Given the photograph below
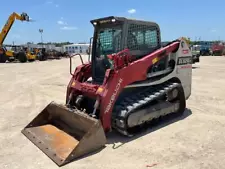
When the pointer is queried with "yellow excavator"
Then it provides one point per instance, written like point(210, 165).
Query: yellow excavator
point(11, 55)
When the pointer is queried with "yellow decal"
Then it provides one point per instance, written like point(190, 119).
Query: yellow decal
point(100, 89)
point(155, 60)
point(73, 84)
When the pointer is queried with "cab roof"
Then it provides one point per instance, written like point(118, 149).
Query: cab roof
point(123, 19)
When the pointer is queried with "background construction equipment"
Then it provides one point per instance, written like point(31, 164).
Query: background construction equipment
point(5, 54)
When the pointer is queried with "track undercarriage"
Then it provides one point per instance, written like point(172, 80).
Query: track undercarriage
point(146, 106)
point(133, 111)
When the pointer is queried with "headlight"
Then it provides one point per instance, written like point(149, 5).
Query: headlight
point(113, 20)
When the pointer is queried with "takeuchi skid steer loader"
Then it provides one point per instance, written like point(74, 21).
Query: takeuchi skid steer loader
point(130, 80)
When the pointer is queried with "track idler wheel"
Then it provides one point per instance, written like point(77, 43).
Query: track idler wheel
point(178, 95)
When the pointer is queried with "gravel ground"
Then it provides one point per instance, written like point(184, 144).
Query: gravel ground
point(197, 140)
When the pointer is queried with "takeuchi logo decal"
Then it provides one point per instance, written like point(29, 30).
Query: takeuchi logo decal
point(112, 98)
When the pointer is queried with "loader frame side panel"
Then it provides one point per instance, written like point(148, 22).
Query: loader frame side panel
point(119, 79)
point(82, 71)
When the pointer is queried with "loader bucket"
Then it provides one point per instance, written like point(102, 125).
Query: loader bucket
point(64, 135)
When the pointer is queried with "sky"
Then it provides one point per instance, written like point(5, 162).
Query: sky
point(69, 20)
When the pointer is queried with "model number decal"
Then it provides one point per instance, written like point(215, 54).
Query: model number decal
point(184, 60)
point(112, 98)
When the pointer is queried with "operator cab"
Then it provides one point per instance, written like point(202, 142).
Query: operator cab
point(16, 48)
point(114, 34)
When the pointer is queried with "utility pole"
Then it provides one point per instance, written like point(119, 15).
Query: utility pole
point(41, 32)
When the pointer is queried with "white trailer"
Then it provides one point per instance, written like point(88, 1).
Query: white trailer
point(76, 48)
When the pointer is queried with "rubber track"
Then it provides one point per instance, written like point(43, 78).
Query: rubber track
point(132, 103)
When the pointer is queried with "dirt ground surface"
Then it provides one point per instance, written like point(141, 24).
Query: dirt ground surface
point(196, 140)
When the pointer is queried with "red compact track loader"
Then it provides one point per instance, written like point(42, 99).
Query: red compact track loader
point(129, 81)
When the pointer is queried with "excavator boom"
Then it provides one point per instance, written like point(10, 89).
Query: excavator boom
point(12, 55)
point(14, 16)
